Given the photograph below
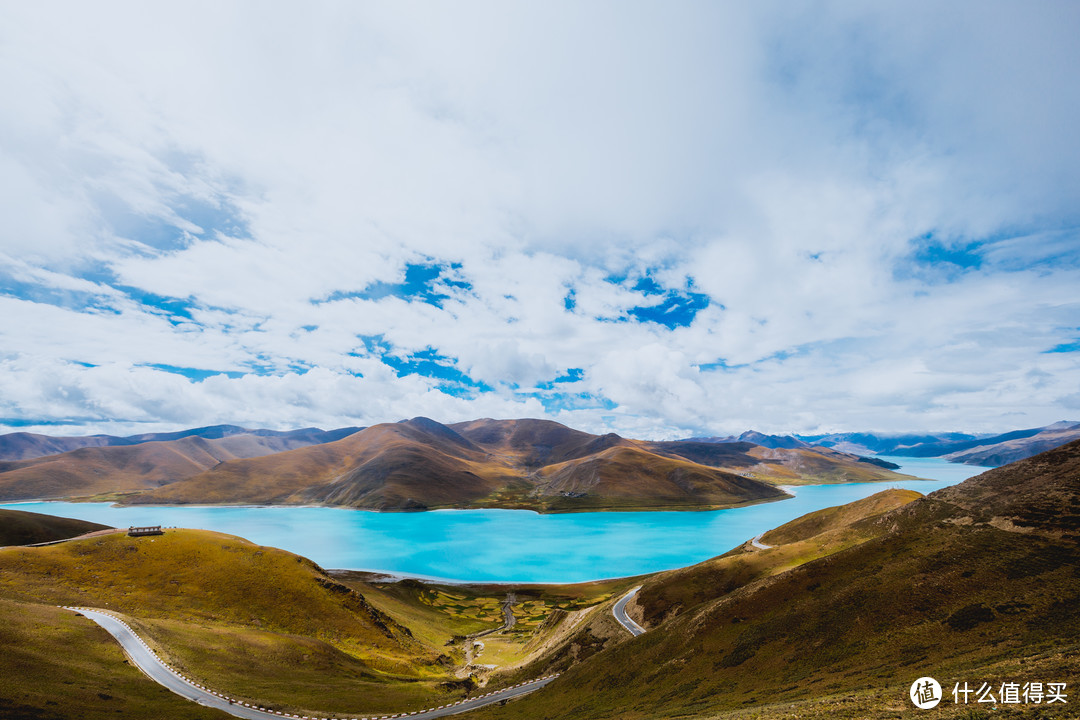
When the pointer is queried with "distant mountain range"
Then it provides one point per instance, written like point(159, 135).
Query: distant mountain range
point(27, 446)
point(135, 463)
point(1002, 452)
point(420, 464)
point(986, 450)
point(750, 436)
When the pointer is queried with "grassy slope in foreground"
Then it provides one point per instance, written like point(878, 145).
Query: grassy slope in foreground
point(18, 527)
point(443, 615)
point(978, 582)
point(56, 666)
point(667, 594)
point(254, 621)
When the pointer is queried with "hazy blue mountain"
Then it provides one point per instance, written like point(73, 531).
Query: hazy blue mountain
point(986, 449)
point(928, 445)
point(752, 436)
point(994, 454)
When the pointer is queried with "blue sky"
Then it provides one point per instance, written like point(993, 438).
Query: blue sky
point(655, 220)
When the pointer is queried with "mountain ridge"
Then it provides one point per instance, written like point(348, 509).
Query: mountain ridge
point(28, 446)
point(421, 464)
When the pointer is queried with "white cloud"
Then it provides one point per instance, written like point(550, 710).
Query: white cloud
point(254, 167)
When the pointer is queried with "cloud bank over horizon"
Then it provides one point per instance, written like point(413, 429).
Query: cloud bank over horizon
point(658, 221)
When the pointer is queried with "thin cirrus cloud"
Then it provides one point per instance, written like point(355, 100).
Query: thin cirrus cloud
point(659, 221)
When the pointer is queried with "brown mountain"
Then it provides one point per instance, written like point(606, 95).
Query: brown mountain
point(146, 464)
point(421, 464)
point(782, 466)
point(407, 465)
point(93, 470)
point(975, 583)
point(631, 477)
point(756, 438)
point(536, 443)
point(26, 446)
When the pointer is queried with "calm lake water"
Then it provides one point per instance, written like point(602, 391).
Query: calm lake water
point(506, 545)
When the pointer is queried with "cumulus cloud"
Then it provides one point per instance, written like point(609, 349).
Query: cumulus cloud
point(659, 221)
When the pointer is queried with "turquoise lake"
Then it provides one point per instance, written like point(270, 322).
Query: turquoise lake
point(506, 545)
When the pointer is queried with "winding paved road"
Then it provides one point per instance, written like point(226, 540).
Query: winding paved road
point(157, 670)
point(756, 542)
point(619, 611)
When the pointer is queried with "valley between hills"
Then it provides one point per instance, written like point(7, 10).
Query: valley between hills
point(834, 618)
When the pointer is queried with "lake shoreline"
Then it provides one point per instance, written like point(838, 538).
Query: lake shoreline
point(499, 546)
point(416, 511)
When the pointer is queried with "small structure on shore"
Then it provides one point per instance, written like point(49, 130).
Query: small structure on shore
point(143, 531)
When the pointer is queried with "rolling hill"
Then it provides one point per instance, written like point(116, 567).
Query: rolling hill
point(26, 528)
point(258, 622)
point(977, 582)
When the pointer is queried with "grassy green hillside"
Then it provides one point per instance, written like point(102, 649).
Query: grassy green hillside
point(260, 624)
point(591, 630)
point(26, 528)
point(454, 616)
point(56, 666)
point(979, 582)
point(807, 538)
point(253, 621)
